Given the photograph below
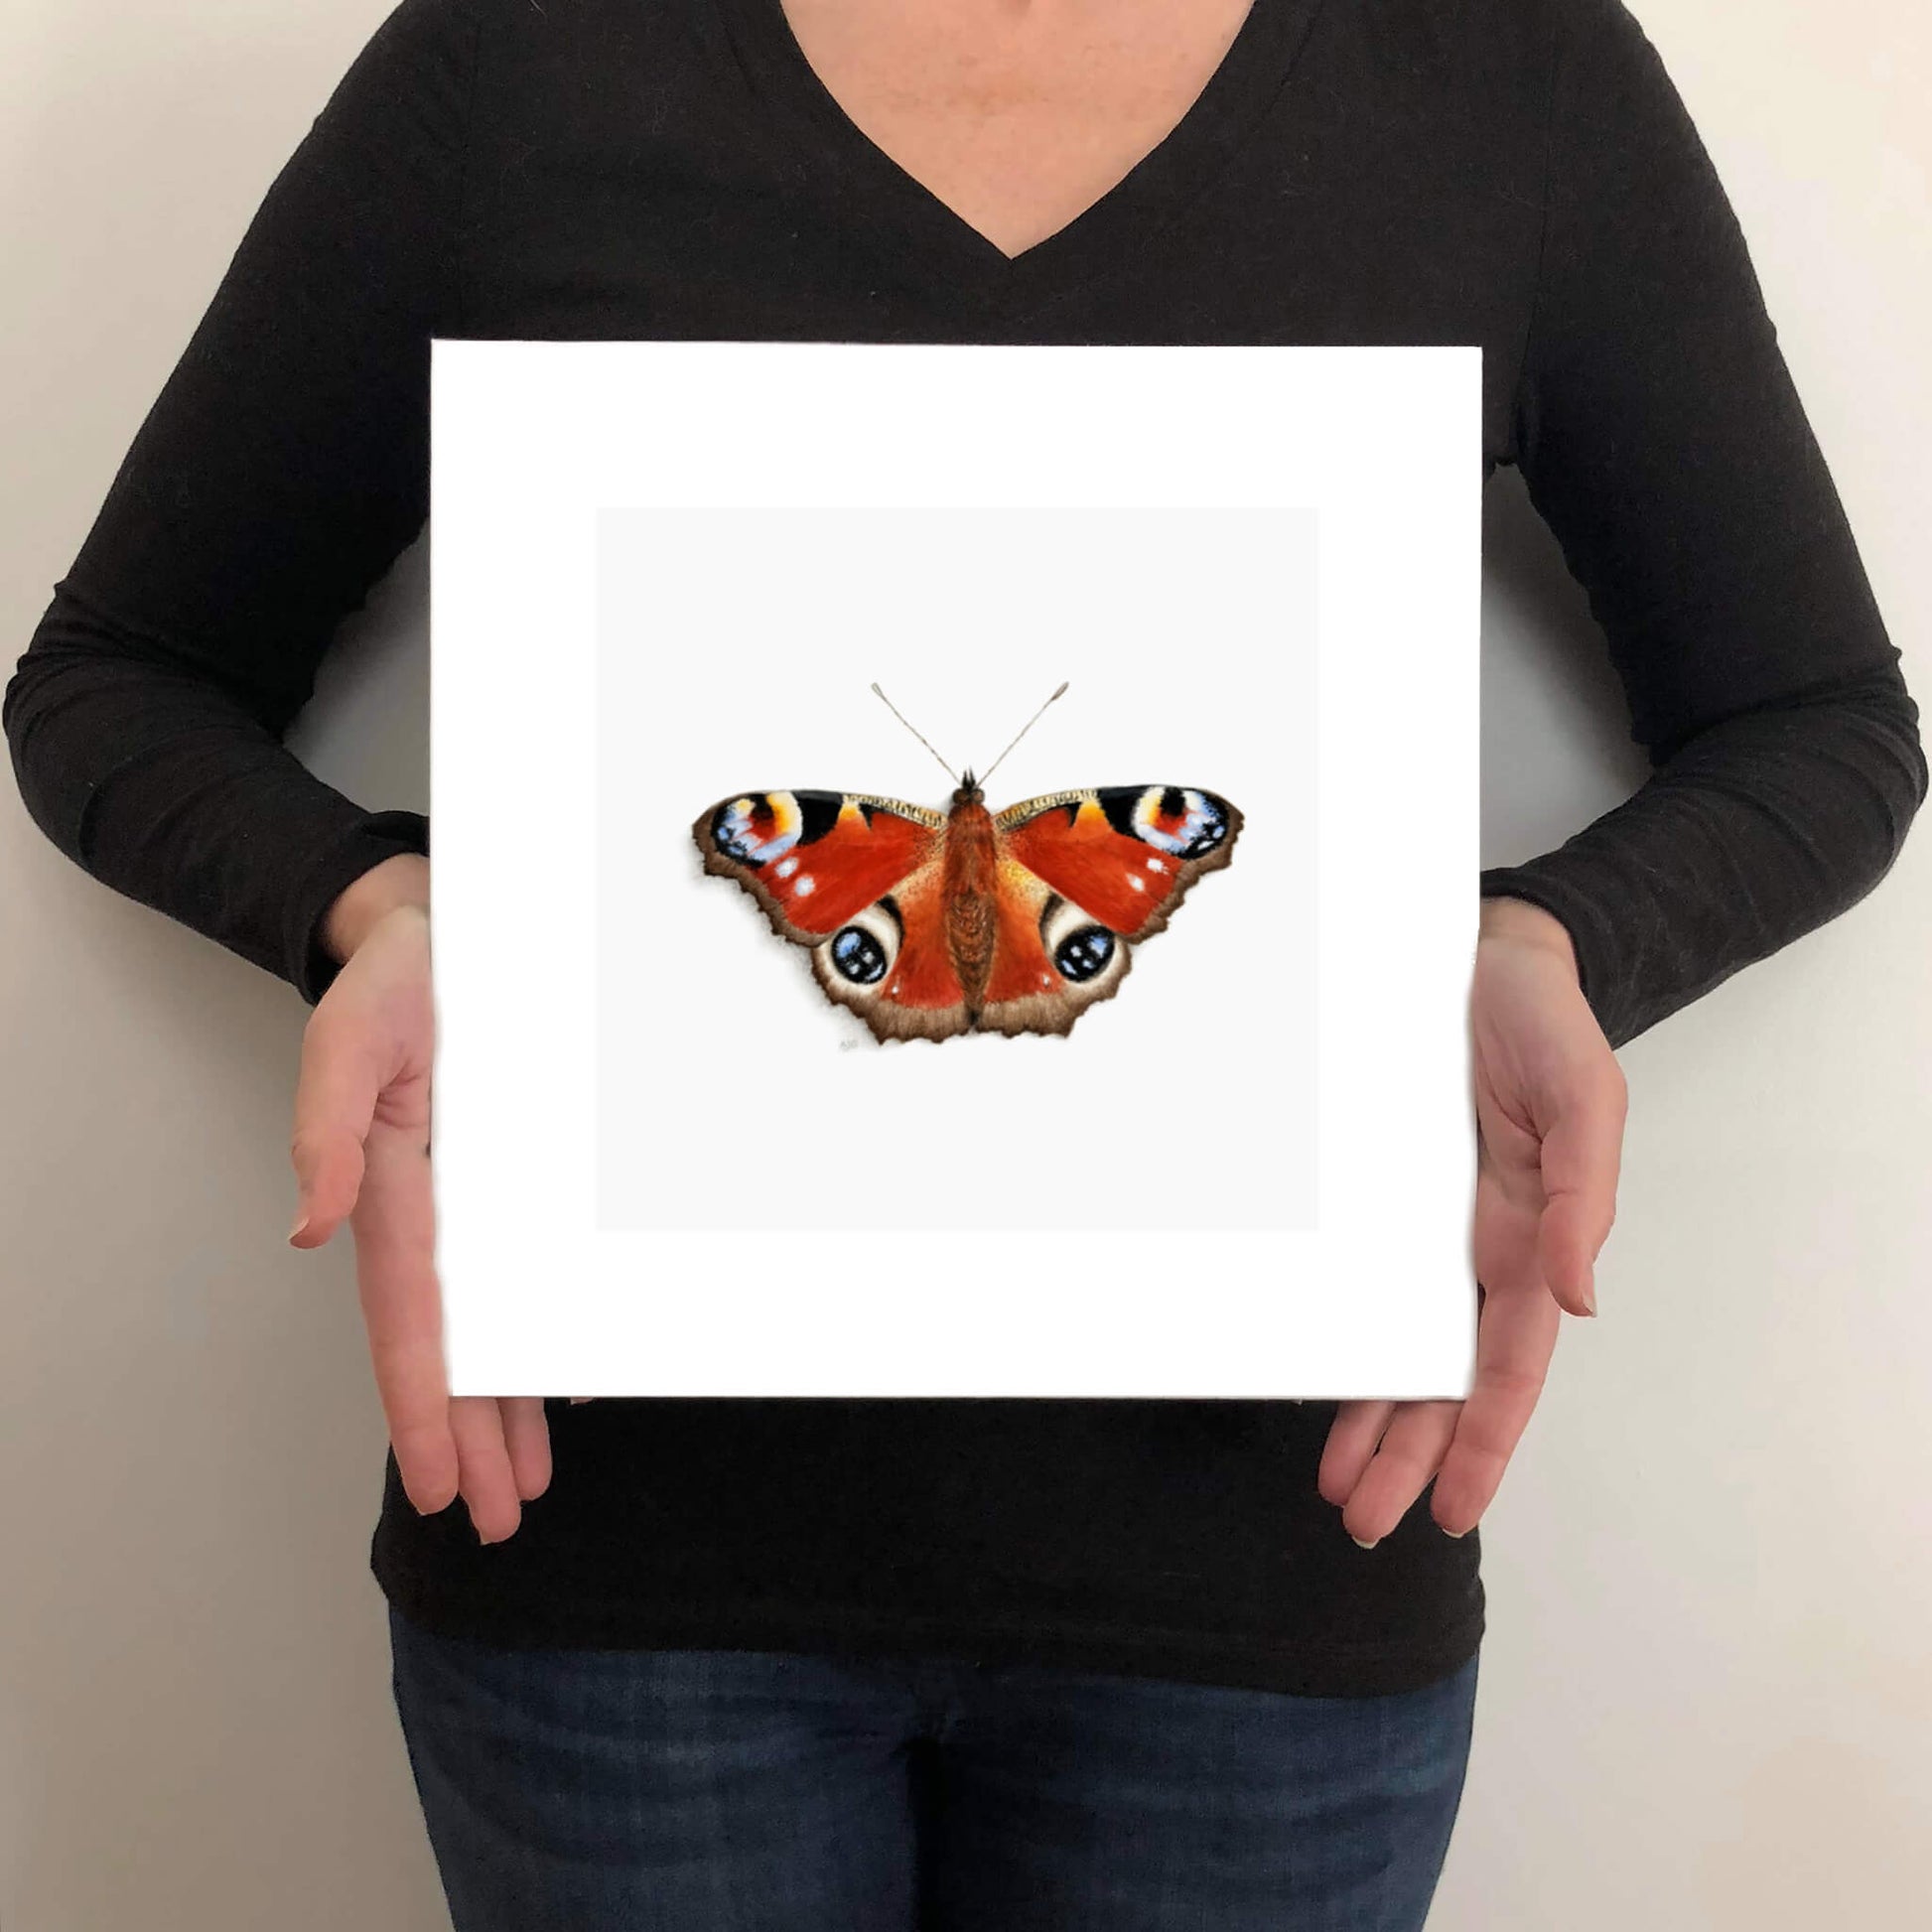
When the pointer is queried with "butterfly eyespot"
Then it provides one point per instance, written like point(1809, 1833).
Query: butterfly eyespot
point(857, 956)
point(1179, 820)
point(1082, 951)
point(864, 950)
point(1085, 953)
point(758, 828)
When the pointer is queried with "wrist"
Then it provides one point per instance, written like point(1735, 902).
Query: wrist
point(1521, 921)
point(402, 879)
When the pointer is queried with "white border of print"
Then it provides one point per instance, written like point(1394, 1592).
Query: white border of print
point(531, 441)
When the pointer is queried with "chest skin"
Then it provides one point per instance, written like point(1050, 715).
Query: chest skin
point(1018, 119)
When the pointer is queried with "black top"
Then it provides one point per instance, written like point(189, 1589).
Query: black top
point(1519, 174)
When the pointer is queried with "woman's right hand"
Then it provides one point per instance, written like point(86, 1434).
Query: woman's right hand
point(362, 1151)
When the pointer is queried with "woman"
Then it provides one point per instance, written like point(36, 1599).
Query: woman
point(1013, 1664)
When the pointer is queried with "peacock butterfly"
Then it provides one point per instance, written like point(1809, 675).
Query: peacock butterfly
point(929, 923)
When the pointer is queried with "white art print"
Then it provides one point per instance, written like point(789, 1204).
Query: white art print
point(978, 1127)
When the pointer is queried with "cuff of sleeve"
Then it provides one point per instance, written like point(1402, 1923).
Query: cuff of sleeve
point(1591, 932)
point(375, 837)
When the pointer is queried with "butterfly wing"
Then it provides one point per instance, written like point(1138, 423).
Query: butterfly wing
point(1083, 875)
point(859, 881)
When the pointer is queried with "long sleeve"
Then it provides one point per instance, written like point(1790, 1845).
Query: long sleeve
point(1661, 437)
point(277, 476)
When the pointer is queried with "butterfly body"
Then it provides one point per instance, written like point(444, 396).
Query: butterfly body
point(969, 892)
point(928, 925)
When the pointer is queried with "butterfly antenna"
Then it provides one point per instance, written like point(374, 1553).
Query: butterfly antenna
point(1023, 731)
point(901, 715)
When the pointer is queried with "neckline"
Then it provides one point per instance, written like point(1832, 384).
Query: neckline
point(892, 210)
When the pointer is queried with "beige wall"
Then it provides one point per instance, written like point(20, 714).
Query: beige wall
point(1705, 1697)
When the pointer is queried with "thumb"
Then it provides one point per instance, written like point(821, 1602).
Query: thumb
point(335, 1102)
point(1582, 1153)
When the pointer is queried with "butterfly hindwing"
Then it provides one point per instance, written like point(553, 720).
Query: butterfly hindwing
point(857, 878)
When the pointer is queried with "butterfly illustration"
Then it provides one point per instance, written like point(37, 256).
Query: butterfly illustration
point(928, 924)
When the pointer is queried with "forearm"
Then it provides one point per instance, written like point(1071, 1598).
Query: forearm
point(165, 786)
point(1523, 923)
point(401, 880)
point(1754, 833)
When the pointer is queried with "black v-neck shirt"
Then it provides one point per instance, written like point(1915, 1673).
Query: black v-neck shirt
point(959, 270)
point(1518, 173)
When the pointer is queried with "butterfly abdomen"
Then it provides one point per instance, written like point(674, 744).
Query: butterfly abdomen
point(970, 897)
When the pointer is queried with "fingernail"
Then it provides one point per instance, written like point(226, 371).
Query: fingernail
point(1459, 1533)
point(1590, 1297)
point(1361, 1545)
point(301, 1221)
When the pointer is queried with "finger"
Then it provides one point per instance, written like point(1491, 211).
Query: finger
point(395, 1277)
point(526, 1436)
point(488, 1483)
point(1502, 1245)
point(1515, 1339)
point(1409, 1453)
point(1582, 1153)
point(1352, 1438)
point(335, 1099)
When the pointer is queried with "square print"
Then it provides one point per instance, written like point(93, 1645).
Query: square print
point(683, 1147)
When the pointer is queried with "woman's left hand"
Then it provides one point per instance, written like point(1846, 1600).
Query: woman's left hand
point(1550, 1102)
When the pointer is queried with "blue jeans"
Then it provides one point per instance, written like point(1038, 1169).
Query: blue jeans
point(699, 1790)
